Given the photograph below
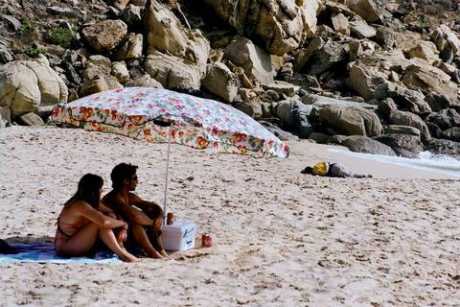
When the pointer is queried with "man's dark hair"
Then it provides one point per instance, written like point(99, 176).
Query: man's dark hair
point(121, 172)
point(307, 170)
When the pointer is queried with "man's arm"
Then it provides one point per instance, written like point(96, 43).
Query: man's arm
point(106, 210)
point(132, 214)
point(97, 217)
point(140, 203)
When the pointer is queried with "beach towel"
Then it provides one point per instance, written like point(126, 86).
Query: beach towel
point(45, 253)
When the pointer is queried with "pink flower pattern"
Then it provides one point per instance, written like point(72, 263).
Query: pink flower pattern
point(196, 122)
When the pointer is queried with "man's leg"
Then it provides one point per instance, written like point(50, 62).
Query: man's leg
point(156, 240)
point(108, 237)
point(141, 238)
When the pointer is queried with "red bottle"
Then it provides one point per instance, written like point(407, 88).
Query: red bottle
point(206, 240)
point(170, 218)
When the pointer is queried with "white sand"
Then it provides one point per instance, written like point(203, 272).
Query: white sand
point(281, 238)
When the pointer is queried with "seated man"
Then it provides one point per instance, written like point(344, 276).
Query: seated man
point(134, 210)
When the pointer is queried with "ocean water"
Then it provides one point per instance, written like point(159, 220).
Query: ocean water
point(425, 161)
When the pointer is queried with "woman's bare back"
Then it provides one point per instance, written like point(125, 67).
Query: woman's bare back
point(71, 220)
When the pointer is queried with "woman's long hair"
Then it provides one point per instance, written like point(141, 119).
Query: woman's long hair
point(89, 190)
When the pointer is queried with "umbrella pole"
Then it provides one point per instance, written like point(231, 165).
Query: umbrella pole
point(165, 195)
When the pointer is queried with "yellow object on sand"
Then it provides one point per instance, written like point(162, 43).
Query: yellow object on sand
point(320, 169)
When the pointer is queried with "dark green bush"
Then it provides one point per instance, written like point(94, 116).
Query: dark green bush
point(61, 36)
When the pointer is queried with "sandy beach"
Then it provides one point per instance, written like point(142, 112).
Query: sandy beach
point(280, 238)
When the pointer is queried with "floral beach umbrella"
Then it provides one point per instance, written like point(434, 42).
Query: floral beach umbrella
point(200, 123)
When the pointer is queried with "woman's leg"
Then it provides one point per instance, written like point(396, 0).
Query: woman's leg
point(108, 237)
point(80, 243)
point(83, 240)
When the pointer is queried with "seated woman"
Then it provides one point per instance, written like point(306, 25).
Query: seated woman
point(80, 223)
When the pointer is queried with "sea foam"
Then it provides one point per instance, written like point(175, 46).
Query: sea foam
point(425, 161)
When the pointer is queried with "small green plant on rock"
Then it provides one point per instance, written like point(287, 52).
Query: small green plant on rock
point(423, 21)
point(26, 27)
point(34, 51)
point(61, 36)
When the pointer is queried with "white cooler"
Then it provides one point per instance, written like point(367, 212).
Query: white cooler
point(179, 236)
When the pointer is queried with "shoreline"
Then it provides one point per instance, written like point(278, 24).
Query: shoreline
point(377, 165)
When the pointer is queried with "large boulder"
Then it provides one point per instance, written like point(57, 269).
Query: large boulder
point(370, 74)
point(412, 120)
point(366, 80)
point(294, 117)
point(360, 48)
point(429, 79)
point(173, 72)
point(282, 88)
point(452, 134)
point(166, 34)
point(120, 71)
point(409, 100)
point(444, 119)
point(98, 84)
point(5, 117)
point(447, 42)
point(248, 105)
point(120, 4)
point(386, 107)
point(31, 119)
point(133, 15)
point(324, 58)
point(407, 40)
point(303, 55)
point(445, 147)
point(365, 144)
point(439, 102)
point(451, 70)
point(385, 37)
point(425, 50)
point(322, 101)
point(131, 48)
point(96, 66)
point(105, 35)
point(100, 74)
point(255, 62)
point(26, 85)
point(278, 132)
point(144, 81)
point(340, 24)
point(5, 53)
point(367, 9)
point(400, 129)
point(221, 81)
point(351, 120)
point(360, 29)
point(406, 145)
point(280, 25)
